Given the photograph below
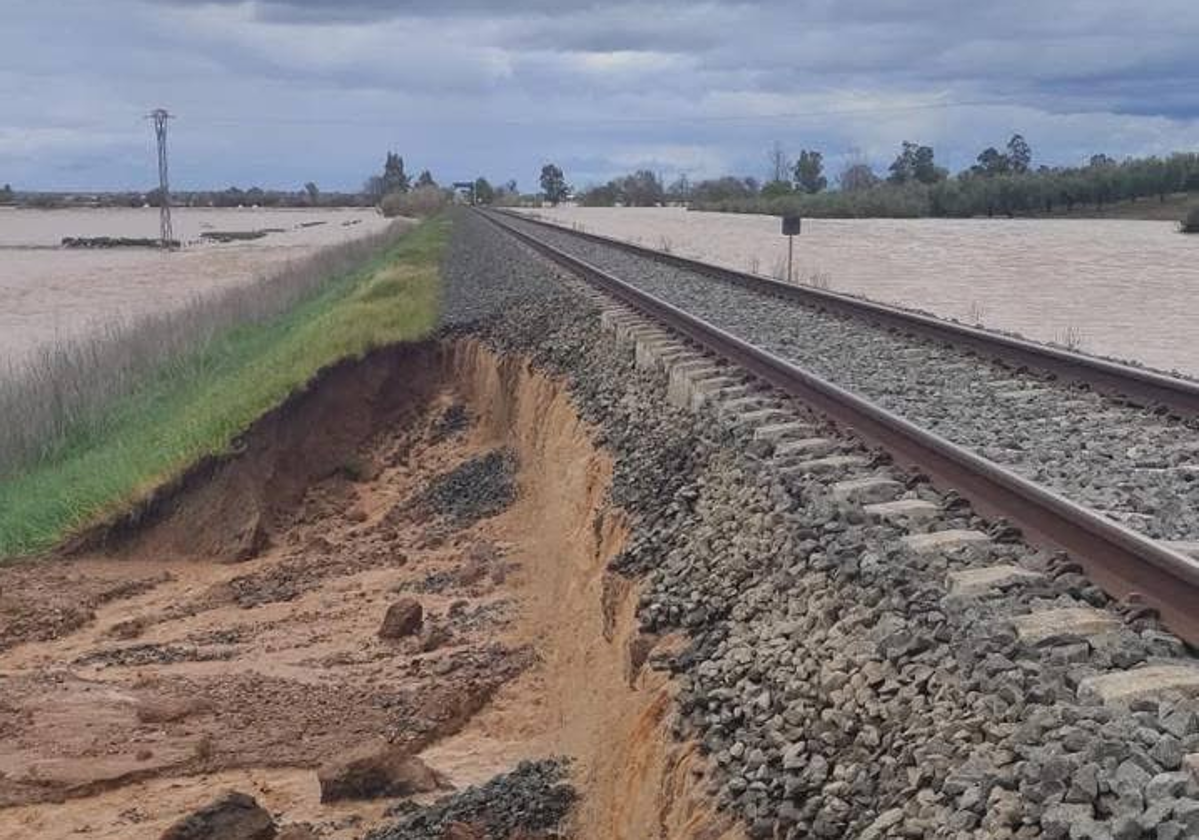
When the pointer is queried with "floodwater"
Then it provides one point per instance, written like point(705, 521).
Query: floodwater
point(1121, 288)
point(48, 293)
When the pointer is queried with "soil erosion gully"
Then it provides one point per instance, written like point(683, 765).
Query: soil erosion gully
point(1124, 562)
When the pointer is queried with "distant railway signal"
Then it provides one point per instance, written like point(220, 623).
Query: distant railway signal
point(791, 226)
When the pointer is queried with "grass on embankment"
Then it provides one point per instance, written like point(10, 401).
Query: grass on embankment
point(199, 403)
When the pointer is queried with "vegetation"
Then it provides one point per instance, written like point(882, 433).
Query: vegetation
point(6, 194)
point(641, 189)
point(553, 184)
point(999, 183)
point(91, 426)
point(420, 203)
point(1190, 222)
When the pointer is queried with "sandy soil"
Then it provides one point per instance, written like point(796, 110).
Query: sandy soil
point(1128, 287)
point(47, 292)
point(137, 685)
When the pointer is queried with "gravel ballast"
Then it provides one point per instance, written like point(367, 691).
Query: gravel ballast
point(838, 682)
point(1137, 466)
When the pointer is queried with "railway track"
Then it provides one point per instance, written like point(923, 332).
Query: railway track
point(918, 419)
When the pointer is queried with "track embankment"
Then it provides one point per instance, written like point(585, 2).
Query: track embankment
point(612, 606)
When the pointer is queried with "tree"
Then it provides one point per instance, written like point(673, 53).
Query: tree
point(779, 168)
point(313, 192)
point(809, 172)
point(642, 189)
point(6, 194)
point(605, 195)
point(1019, 153)
point(680, 189)
point(395, 179)
point(915, 163)
point(484, 192)
point(722, 189)
point(553, 184)
point(425, 179)
point(857, 177)
point(991, 162)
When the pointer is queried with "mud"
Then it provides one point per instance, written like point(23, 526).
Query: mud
point(225, 637)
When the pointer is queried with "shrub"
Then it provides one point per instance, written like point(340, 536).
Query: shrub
point(1190, 222)
point(418, 203)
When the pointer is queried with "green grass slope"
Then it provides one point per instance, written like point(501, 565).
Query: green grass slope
point(198, 405)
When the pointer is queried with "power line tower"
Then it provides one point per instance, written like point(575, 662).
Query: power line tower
point(165, 233)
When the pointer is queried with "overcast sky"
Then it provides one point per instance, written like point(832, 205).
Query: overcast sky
point(279, 93)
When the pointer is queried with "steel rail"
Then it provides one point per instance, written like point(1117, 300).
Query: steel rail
point(1143, 387)
point(1121, 561)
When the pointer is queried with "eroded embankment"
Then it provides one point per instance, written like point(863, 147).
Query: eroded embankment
point(227, 638)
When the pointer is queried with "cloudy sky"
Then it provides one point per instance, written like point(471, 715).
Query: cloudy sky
point(278, 93)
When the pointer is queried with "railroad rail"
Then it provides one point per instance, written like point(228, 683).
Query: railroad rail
point(1145, 387)
point(1125, 563)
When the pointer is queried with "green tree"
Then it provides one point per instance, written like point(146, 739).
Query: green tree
point(6, 194)
point(395, 179)
point(991, 162)
point(857, 177)
point(1019, 154)
point(809, 172)
point(313, 192)
point(553, 184)
point(484, 192)
point(915, 163)
point(604, 195)
point(642, 189)
point(425, 179)
point(775, 189)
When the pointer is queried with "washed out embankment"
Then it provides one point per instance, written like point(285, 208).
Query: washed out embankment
point(229, 636)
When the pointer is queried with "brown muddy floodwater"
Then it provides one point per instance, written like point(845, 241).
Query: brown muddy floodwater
point(49, 293)
point(1128, 289)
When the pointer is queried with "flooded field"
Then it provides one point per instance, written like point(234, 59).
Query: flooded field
point(1122, 288)
point(48, 292)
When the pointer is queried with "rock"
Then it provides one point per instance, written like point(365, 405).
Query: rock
point(375, 771)
point(234, 816)
point(403, 618)
point(433, 637)
point(297, 831)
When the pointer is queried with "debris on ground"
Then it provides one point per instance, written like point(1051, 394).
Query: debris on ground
point(375, 771)
point(477, 489)
point(234, 816)
point(533, 799)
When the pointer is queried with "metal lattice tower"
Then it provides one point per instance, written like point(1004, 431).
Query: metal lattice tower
point(165, 233)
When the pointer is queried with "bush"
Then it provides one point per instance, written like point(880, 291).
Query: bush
point(418, 203)
point(1190, 222)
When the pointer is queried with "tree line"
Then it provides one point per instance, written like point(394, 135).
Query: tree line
point(1001, 182)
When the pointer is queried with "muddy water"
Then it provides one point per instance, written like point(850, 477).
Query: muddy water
point(48, 293)
point(1128, 289)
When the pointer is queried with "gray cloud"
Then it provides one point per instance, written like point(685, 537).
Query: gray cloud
point(286, 90)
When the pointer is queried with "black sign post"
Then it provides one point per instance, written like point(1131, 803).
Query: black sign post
point(791, 226)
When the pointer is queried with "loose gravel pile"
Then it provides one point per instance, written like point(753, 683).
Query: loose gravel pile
point(1141, 467)
point(839, 689)
point(530, 802)
point(474, 490)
